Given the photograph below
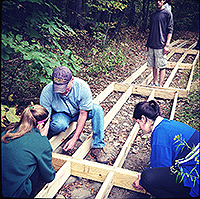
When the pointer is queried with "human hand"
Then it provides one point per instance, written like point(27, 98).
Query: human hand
point(69, 145)
point(136, 184)
point(44, 129)
point(146, 49)
point(165, 50)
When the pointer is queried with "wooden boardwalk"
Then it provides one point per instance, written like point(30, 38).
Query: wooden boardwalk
point(115, 175)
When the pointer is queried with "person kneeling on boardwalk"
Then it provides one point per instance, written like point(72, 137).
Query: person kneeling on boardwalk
point(69, 99)
point(26, 154)
point(174, 161)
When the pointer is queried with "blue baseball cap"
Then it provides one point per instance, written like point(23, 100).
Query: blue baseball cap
point(61, 77)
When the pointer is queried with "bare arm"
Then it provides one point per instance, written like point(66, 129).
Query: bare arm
point(166, 48)
point(79, 128)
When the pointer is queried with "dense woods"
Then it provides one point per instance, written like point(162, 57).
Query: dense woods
point(38, 35)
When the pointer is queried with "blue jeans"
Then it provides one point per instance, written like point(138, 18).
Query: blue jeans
point(60, 122)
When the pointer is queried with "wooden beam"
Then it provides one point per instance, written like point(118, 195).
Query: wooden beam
point(50, 189)
point(167, 83)
point(192, 72)
point(126, 147)
point(136, 74)
point(183, 66)
point(104, 94)
point(174, 43)
point(174, 49)
point(98, 172)
point(110, 115)
point(145, 90)
point(148, 79)
point(108, 182)
point(174, 106)
point(58, 139)
point(183, 50)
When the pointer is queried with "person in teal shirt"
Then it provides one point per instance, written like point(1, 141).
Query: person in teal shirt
point(174, 161)
point(26, 154)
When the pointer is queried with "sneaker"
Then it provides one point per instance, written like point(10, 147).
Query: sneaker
point(100, 155)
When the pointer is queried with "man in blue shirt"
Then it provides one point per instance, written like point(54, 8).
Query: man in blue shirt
point(69, 99)
point(157, 46)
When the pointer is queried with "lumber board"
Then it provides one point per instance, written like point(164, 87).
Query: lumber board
point(50, 189)
point(174, 49)
point(98, 172)
point(183, 66)
point(57, 140)
point(174, 106)
point(169, 80)
point(174, 42)
point(183, 50)
point(126, 147)
point(136, 74)
point(148, 79)
point(145, 90)
point(108, 182)
point(106, 187)
point(110, 115)
point(192, 72)
point(104, 94)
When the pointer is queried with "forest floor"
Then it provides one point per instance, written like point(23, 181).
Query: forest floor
point(130, 44)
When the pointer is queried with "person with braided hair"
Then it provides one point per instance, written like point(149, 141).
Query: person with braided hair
point(174, 161)
point(26, 153)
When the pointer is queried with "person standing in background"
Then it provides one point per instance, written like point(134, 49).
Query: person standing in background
point(157, 46)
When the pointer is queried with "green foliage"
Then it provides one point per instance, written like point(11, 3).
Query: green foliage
point(107, 5)
point(105, 59)
point(180, 174)
point(31, 44)
point(102, 28)
point(9, 114)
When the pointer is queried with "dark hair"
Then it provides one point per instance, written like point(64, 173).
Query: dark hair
point(149, 109)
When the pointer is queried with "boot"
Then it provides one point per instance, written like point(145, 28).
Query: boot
point(100, 155)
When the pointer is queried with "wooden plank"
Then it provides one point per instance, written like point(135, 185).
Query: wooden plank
point(83, 150)
point(174, 49)
point(174, 42)
point(174, 106)
point(110, 115)
point(50, 189)
point(183, 66)
point(57, 140)
point(126, 147)
point(152, 95)
point(192, 72)
point(136, 74)
point(108, 183)
point(148, 79)
point(98, 172)
point(145, 90)
point(167, 83)
point(106, 187)
point(104, 94)
point(183, 50)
